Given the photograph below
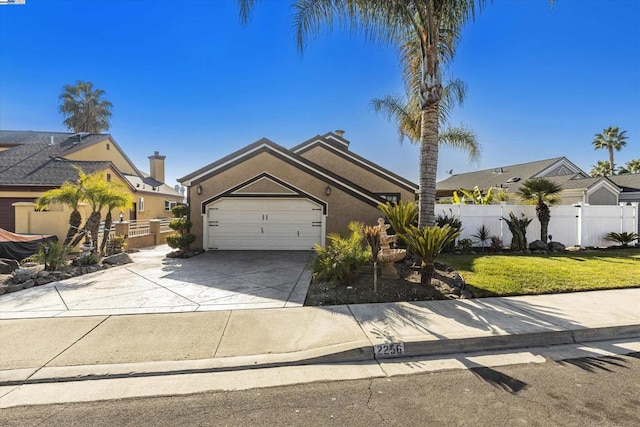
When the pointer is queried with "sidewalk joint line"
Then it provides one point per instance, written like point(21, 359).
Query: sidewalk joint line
point(61, 299)
point(223, 332)
point(67, 348)
point(164, 287)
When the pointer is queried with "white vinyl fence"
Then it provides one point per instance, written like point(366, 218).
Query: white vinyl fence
point(580, 225)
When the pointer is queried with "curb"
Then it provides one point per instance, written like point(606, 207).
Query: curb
point(327, 355)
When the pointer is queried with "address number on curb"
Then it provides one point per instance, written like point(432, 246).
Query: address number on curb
point(388, 350)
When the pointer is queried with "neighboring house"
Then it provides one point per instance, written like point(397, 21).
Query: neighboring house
point(577, 185)
point(34, 162)
point(265, 196)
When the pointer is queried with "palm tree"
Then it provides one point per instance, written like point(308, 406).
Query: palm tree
point(405, 110)
point(602, 168)
point(612, 139)
point(84, 108)
point(68, 194)
point(632, 166)
point(115, 197)
point(397, 23)
point(544, 193)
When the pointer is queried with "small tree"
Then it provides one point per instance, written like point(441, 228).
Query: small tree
point(544, 193)
point(183, 239)
point(427, 243)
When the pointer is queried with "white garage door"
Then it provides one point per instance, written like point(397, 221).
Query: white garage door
point(264, 224)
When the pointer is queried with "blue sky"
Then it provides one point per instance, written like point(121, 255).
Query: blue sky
point(186, 79)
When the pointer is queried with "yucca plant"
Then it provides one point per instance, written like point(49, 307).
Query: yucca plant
point(372, 236)
point(427, 243)
point(623, 238)
point(400, 215)
point(482, 234)
point(518, 228)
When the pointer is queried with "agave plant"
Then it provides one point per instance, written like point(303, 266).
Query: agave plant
point(427, 243)
point(623, 238)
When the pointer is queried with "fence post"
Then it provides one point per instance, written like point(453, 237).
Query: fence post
point(579, 223)
point(154, 228)
point(122, 228)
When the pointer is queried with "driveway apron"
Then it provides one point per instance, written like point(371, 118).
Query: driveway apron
point(217, 280)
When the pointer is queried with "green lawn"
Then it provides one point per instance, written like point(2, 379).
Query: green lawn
point(501, 275)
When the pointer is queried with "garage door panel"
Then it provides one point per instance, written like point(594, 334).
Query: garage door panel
point(263, 224)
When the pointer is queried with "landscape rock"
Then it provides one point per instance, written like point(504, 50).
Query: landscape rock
point(29, 284)
point(556, 247)
point(43, 273)
point(537, 245)
point(8, 266)
point(14, 287)
point(121, 258)
point(43, 281)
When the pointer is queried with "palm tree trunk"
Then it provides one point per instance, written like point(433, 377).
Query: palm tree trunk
point(108, 220)
point(426, 273)
point(611, 160)
point(544, 216)
point(89, 226)
point(75, 219)
point(428, 165)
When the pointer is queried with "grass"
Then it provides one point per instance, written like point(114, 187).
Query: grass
point(502, 275)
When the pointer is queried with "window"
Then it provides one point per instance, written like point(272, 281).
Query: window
point(108, 177)
point(390, 197)
point(169, 204)
point(108, 147)
point(141, 204)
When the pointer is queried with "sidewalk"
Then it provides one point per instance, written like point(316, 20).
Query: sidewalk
point(49, 350)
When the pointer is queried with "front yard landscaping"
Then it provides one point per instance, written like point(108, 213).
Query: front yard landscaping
point(503, 275)
point(487, 275)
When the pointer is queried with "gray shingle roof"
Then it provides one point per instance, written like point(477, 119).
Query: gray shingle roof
point(495, 177)
point(627, 182)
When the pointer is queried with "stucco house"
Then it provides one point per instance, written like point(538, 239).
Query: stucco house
point(265, 196)
point(577, 185)
point(34, 162)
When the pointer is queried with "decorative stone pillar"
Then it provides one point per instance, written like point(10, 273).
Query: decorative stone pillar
point(122, 228)
point(154, 230)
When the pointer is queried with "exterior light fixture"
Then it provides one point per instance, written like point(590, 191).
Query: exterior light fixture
point(199, 189)
point(121, 216)
point(328, 190)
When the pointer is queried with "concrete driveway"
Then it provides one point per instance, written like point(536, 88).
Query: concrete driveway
point(154, 284)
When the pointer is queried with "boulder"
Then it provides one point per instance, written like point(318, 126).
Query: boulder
point(8, 266)
point(556, 247)
point(121, 258)
point(22, 275)
point(537, 245)
point(29, 284)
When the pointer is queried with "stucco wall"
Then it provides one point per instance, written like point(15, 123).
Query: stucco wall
point(355, 173)
point(99, 151)
point(342, 207)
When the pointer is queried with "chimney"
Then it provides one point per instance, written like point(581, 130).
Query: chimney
point(340, 133)
point(156, 168)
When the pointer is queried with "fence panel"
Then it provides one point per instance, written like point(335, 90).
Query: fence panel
point(139, 227)
point(585, 225)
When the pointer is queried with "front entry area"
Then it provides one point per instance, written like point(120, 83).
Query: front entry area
point(241, 223)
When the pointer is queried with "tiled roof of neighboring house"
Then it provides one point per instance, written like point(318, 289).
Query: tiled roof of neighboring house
point(150, 185)
point(500, 176)
point(627, 182)
point(37, 159)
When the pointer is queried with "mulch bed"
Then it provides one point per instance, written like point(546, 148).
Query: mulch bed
point(446, 284)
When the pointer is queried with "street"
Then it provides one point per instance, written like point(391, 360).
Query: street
point(603, 391)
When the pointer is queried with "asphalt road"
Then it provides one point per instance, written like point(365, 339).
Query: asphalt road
point(579, 392)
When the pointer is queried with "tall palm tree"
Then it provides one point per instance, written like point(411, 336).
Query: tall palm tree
point(544, 193)
point(84, 108)
point(632, 166)
point(397, 22)
point(601, 168)
point(611, 139)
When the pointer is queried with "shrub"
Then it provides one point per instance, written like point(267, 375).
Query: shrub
point(55, 259)
point(183, 239)
point(482, 234)
point(427, 243)
point(400, 215)
point(116, 245)
point(496, 243)
point(465, 245)
point(453, 222)
point(91, 259)
point(623, 238)
point(343, 257)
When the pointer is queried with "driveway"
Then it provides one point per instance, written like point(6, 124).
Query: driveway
point(222, 280)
